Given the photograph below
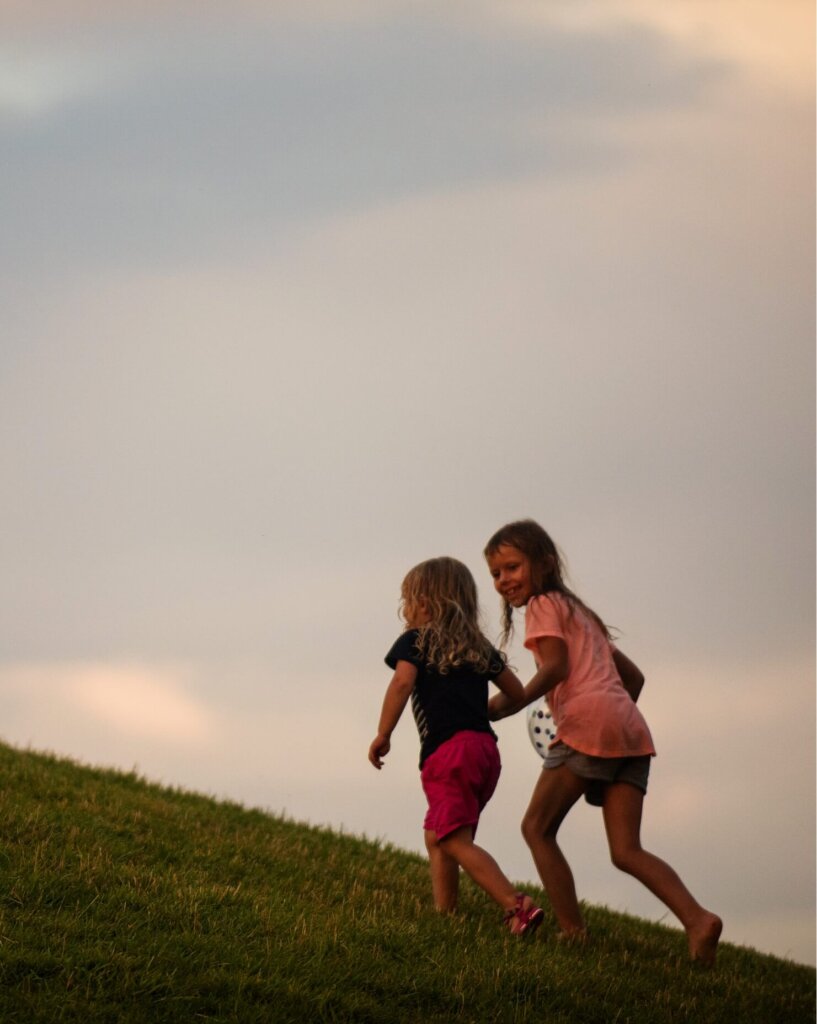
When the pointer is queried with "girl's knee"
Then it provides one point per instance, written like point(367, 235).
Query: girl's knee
point(533, 830)
point(432, 842)
point(625, 859)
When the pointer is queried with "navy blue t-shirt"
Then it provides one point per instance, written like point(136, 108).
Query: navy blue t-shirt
point(445, 704)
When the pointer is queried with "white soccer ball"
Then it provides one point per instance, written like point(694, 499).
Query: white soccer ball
point(541, 727)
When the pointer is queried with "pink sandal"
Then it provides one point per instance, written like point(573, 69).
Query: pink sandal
point(525, 917)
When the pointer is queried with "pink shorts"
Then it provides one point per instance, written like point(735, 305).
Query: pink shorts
point(459, 779)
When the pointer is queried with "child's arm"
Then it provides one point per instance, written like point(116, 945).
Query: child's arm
point(553, 668)
point(631, 675)
point(512, 694)
point(397, 695)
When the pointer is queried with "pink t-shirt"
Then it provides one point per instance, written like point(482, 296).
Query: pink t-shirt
point(592, 711)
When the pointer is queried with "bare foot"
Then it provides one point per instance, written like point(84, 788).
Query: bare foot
point(572, 936)
point(704, 938)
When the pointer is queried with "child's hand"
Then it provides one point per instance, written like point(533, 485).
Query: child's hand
point(381, 745)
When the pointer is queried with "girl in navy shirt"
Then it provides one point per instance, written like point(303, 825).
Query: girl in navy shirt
point(443, 663)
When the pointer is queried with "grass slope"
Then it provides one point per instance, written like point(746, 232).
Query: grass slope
point(124, 901)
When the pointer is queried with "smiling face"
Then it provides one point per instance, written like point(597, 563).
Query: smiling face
point(511, 572)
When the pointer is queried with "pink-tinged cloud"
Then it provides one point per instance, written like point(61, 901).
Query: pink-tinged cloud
point(775, 39)
point(136, 701)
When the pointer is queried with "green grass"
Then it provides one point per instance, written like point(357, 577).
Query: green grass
point(124, 901)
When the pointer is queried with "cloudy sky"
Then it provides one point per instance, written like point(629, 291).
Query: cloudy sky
point(297, 295)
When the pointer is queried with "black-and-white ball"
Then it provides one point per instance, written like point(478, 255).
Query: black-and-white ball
point(541, 727)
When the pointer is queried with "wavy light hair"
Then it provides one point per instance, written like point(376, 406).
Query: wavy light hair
point(547, 569)
point(452, 637)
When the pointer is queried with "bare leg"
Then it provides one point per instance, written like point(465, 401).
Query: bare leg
point(623, 805)
point(460, 847)
point(556, 791)
point(445, 875)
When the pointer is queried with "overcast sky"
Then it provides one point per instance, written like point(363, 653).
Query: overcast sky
point(297, 295)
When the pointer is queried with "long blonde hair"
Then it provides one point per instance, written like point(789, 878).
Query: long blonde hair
point(546, 569)
point(452, 637)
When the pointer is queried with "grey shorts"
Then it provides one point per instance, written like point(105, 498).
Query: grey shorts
point(600, 771)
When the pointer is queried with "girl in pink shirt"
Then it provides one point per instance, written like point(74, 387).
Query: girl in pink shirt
point(602, 747)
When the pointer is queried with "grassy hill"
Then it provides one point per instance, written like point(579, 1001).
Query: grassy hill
point(124, 901)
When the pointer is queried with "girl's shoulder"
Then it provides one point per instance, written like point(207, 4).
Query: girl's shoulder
point(550, 601)
point(497, 660)
point(405, 648)
point(545, 611)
